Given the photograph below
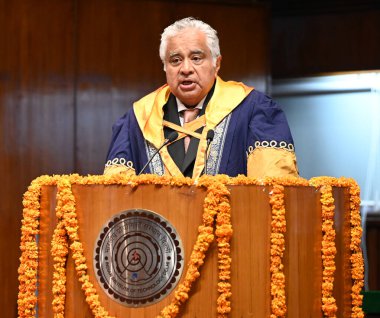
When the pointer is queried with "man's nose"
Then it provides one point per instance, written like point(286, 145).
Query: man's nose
point(187, 67)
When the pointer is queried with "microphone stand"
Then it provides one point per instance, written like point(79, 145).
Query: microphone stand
point(209, 138)
point(172, 137)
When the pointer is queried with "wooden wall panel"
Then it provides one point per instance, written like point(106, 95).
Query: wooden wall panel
point(118, 59)
point(118, 63)
point(36, 115)
point(311, 44)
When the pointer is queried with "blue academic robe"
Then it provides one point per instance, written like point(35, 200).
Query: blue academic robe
point(251, 137)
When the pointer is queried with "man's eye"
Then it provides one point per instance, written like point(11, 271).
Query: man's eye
point(197, 59)
point(175, 60)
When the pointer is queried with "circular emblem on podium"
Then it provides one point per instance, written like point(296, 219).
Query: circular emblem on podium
point(138, 258)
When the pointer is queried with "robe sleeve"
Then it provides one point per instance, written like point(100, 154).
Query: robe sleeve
point(120, 157)
point(270, 143)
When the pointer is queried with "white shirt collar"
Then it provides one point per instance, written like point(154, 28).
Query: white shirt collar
point(182, 107)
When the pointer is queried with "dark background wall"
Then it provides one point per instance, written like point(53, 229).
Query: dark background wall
point(314, 37)
point(70, 68)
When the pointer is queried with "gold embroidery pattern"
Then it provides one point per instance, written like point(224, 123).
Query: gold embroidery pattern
point(156, 166)
point(271, 144)
point(217, 145)
point(120, 162)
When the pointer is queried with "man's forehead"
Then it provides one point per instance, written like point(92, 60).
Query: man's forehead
point(188, 37)
point(180, 51)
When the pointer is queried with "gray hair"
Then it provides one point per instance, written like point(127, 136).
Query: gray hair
point(190, 23)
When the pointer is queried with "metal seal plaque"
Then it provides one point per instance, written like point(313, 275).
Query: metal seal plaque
point(138, 258)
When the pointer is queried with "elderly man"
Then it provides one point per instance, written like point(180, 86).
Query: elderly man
point(249, 132)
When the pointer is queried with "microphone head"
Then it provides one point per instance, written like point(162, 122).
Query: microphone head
point(210, 135)
point(172, 136)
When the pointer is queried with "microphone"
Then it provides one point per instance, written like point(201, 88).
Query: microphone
point(172, 136)
point(209, 137)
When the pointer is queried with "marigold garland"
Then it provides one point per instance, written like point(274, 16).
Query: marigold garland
point(27, 271)
point(357, 261)
point(223, 233)
point(59, 251)
point(277, 251)
point(216, 207)
point(328, 250)
point(328, 246)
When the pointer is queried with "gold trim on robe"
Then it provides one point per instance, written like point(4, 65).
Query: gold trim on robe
point(271, 162)
point(118, 169)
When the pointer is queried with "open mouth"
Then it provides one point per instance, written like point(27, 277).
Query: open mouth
point(187, 85)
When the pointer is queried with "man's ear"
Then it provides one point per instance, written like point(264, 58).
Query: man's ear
point(217, 64)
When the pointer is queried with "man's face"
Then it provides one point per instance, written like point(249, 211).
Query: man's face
point(190, 72)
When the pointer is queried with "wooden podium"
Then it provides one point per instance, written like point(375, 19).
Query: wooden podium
point(182, 206)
